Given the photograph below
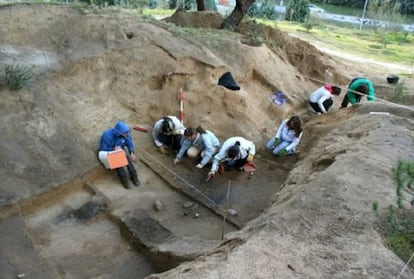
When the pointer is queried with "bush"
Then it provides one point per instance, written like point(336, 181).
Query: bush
point(297, 11)
point(400, 92)
point(17, 76)
point(398, 222)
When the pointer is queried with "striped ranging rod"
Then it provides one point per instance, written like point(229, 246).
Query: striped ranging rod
point(181, 99)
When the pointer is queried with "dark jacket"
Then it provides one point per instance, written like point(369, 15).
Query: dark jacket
point(114, 137)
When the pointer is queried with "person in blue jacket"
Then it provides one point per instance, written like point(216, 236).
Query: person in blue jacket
point(358, 88)
point(287, 137)
point(119, 137)
point(196, 141)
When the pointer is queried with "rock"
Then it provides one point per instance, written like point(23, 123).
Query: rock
point(232, 212)
point(90, 209)
point(188, 204)
point(158, 205)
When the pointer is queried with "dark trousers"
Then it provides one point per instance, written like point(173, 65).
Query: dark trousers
point(131, 169)
point(236, 164)
point(345, 101)
point(358, 97)
point(171, 140)
point(327, 104)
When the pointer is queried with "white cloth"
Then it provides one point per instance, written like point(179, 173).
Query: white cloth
point(319, 96)
point(103, 157)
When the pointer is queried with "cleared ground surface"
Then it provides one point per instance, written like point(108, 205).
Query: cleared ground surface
point(307, 216)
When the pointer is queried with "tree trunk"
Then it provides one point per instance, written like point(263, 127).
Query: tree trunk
point(200, 5)
point(233, 20)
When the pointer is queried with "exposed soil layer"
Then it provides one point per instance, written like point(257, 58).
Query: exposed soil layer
point(305, 216)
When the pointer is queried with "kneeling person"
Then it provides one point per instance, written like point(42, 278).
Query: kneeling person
point(196, 141)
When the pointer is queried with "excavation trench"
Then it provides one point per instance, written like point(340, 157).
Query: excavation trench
point(93, 227)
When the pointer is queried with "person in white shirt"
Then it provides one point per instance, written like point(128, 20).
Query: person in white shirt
point(321, 99)
point(236, 151)
point(287, 137)
point(168, 131)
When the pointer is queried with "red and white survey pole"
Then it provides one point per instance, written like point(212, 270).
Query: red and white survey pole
point(181, 99)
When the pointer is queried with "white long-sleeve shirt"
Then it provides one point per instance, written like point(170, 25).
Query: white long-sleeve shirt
point(319, 96)
point(288, 135)
point(246, 147)
point(177, 130)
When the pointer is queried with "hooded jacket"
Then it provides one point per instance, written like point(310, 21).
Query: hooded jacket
point(114, 137)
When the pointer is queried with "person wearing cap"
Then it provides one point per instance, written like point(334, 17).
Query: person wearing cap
point(198, 140)
point(321, 100)
point(168, 131)
point(119, 137)
point(236, 152)
point(287, 137)
point(358, 88)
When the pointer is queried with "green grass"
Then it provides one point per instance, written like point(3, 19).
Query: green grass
point(386, 46)
point(381, 45)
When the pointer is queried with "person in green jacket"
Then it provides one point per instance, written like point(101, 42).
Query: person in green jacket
point(358, 87)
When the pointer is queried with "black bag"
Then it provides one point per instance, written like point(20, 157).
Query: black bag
point(227, 81)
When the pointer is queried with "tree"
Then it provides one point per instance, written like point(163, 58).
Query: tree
point(200, 5)
point(297, 10)
point(232, 21)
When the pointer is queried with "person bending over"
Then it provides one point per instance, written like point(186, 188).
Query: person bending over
point(168, 132)
point(358, 88)
point(321, 100)
point(235, 152)
point(196, 141)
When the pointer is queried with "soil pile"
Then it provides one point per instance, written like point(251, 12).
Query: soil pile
point(95, 66)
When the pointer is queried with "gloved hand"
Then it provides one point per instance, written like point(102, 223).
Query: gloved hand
point(210, 176)
point(199, 166)
point(162, 149)
point(250, 158)
point(176, 161)
point(282, 152)
point(276, 142)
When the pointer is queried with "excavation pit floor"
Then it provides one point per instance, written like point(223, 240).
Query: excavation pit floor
point(172, 217)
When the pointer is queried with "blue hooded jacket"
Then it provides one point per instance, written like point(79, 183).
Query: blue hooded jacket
point(113, 137)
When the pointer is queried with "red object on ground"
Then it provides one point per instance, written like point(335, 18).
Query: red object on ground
point(141, 129)
point(249, 167)
point(209, 177)
point(221, 170)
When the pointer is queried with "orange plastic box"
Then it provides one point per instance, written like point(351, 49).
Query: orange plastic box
point(117, 159)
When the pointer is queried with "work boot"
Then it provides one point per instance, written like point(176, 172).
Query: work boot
point(124, 182)
point(135, 180)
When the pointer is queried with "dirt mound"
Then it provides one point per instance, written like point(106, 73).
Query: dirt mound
point(95, 66)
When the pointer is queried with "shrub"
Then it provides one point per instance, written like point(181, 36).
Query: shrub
point(297, 11)
point(17, 76)
point(400, 92)
point(398, 222)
